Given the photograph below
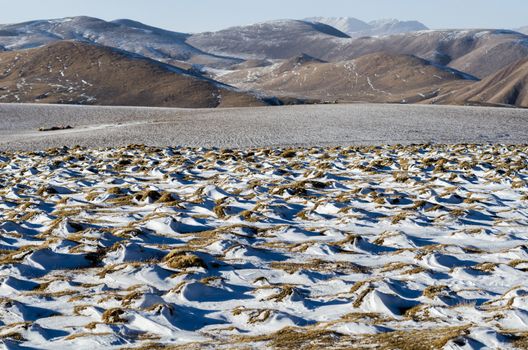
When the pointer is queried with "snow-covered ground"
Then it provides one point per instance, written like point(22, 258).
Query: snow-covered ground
point(350, 247)
point(305, 125)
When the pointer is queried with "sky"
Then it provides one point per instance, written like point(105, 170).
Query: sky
point(208, 15)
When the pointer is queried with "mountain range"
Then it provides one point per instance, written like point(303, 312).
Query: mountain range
point(86, 60)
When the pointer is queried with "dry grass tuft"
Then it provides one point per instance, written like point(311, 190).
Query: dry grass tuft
point(359, 300)
point(115, 191)
point(86, 334)
point(285, 292)
point(432, 291)
point(301, 338)
point(16, 336)
point(113, 316)
point(487, 267)
point(399, 217)
point(419, 339)
point(289, 153)
point(401, 176)
point(254, 315)
point(182, 260)
point(150, 194)
point(345, 267)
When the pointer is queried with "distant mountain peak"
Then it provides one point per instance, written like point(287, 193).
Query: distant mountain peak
point(357, 28)
point(345, 24)
point(278, 39)
point(523, 30)
point(383, 21)
point(277, 25)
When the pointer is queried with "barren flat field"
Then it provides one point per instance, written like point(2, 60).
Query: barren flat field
point(323, 125)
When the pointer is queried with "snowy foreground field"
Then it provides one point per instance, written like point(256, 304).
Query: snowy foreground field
point(403, 247)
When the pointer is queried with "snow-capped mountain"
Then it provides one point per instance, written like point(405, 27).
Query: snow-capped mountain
point(357, 28)
point(394, 26)
point(162, 45)
point(281, 39)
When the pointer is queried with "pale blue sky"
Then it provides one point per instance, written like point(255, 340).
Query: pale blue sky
point(202, 15)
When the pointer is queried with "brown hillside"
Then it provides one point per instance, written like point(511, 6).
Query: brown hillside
point(477, 52)
point(71, 72)
point(509, 86)
point(372, 78)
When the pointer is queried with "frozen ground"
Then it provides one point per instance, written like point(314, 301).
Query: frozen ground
point(259, 127)
point(417, 247)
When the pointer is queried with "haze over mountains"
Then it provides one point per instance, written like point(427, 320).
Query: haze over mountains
point(323, 59)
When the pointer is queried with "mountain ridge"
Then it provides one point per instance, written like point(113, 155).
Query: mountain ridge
point(290, 59)
point(278, 39)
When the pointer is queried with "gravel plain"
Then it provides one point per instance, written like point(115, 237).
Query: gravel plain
point(310, 125)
